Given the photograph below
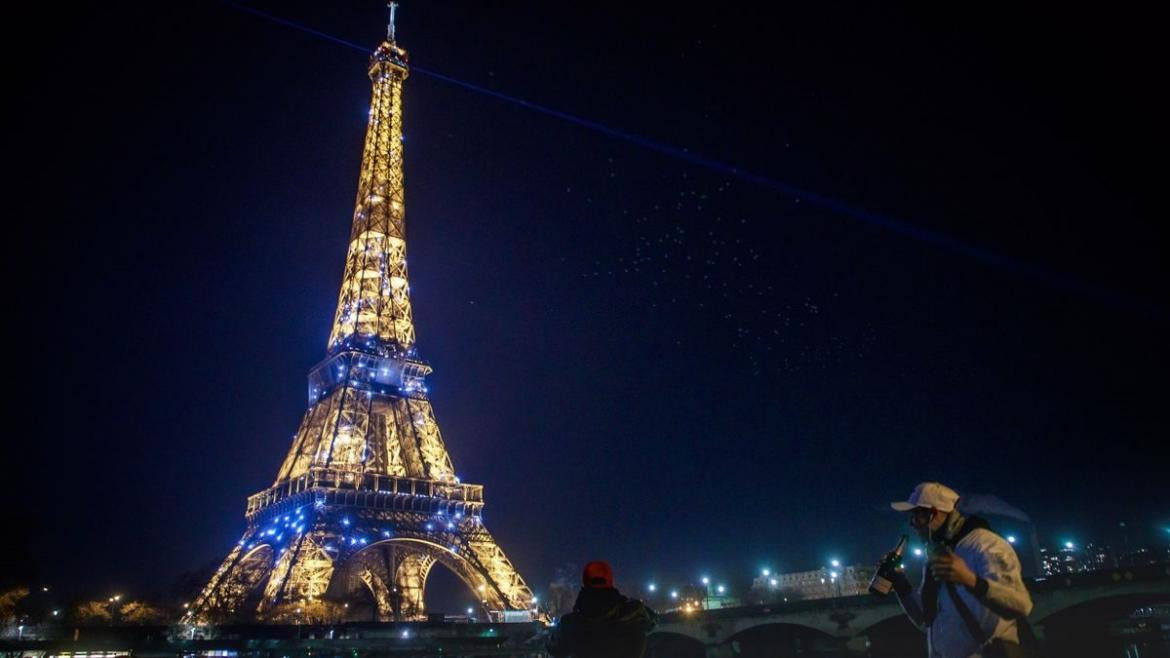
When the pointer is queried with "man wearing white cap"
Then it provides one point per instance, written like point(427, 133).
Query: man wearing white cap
point(972, 597)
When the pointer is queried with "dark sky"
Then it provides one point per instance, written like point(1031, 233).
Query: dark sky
point(643, 359)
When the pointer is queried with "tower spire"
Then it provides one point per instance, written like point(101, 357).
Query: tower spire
point(373, 309)
point(390, 26)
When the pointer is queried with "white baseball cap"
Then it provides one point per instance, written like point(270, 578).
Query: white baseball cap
point(929, 494)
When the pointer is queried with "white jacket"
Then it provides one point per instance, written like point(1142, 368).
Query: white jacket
point(996, 602)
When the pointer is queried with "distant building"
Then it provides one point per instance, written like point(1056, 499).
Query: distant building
point(1071, 558)
point(691, 597)
point(825, 583)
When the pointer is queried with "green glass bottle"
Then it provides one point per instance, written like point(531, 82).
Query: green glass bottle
point(883, 577)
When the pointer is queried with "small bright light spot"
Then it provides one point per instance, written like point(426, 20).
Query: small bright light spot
point(1011, 539)
point(1068, 544)
point(772, 582)
point(720, 588)
point(835, 563)
point(918, 551)
point(56, 612)
point(405, 634)
point(651, 587)
point(535, 599)
point(469, 611)
point(767, 573)
point(673, 594)
point(706, 580)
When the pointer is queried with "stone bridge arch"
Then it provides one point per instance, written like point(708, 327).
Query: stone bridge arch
point(1062, 604)
point(674, 645)
point(777, 639)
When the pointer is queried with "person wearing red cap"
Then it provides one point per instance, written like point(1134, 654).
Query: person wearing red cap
point(603, 623)
point(972, 602)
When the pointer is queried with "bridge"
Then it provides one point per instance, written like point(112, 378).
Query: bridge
point(856, 623)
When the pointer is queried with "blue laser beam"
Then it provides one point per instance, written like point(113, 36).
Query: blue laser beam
point(837, 206)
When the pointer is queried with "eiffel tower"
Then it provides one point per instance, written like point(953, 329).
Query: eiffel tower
point(367, 501)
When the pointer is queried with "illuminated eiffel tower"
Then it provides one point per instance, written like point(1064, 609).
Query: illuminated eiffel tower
point(367, 501)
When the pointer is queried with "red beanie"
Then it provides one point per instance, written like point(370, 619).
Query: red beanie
point(597, 574)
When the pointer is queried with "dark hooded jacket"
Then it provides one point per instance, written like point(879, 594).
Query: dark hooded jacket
point(603, 624)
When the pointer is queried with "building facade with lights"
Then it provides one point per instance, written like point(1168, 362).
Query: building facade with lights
point(824, 583)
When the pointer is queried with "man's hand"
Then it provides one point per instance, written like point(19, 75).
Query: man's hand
point(951, 568)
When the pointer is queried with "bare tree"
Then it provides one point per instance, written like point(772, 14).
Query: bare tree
point(94, 612)
point(8, 602)
point(137, 612)
point(562, 591)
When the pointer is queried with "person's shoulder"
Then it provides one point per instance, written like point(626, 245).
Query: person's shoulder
point(635, 610)
point(994, 551)
point(988, 537)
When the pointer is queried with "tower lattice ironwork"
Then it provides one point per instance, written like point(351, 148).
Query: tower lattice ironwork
point(367, 501)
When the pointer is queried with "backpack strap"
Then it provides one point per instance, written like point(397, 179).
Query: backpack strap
point(973, 626)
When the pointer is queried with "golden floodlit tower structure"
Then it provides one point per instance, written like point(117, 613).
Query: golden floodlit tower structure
point(367, 500)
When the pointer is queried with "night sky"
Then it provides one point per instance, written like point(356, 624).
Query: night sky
point(645, 357)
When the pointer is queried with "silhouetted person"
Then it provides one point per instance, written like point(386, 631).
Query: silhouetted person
point(972, 602)
point(603, 623)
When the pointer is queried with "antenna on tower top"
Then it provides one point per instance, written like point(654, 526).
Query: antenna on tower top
point(390, 26)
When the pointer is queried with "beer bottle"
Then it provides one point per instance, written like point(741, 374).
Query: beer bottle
point(883, 578)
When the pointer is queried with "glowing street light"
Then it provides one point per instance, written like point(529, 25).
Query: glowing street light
point(766, 573)
point(651, 587)
point(918, 551)
point(1068, 544)
point(706, 580)
point(720, 589)
point(1011, 539)
point(835, 563)
point(673, 594)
